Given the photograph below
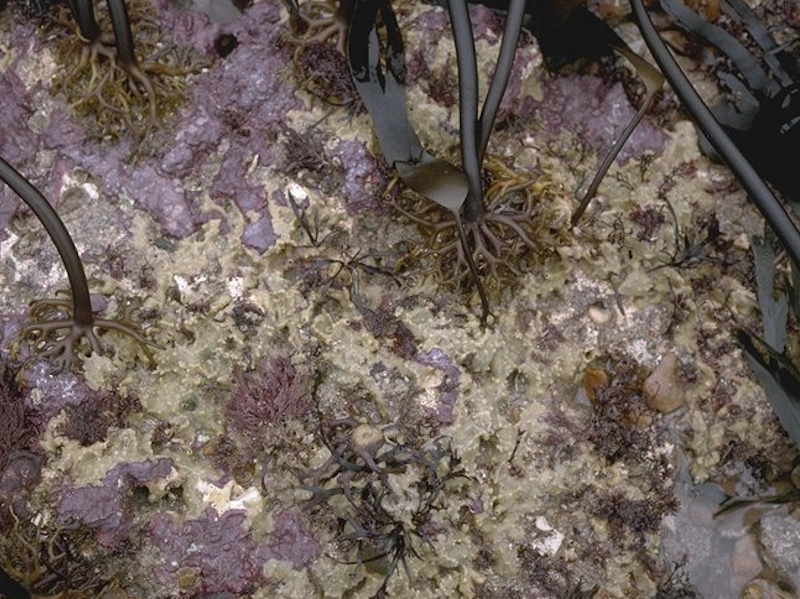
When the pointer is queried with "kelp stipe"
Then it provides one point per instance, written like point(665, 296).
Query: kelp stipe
point(96, 43)
point(777, 374)
point(123, 95)
point(752, 182)
point(475, 131)
point(762, 114)
point(83, 12)
point(566, 31)
point(53, 335)
point(383, 94)
point(125, 51)
point(479, 229)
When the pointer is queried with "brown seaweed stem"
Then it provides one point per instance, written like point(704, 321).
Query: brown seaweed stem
point(81, 303)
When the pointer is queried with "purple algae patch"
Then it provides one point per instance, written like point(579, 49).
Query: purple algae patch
point(217, 547)
point(448, 389)
point(291, 541)
point(433, 21)
point(103, 508)
point(235, 106)
point(56, 392)
point(252, 86)
point(233, 183)
point(260, 235)
point(195, 139)
point(10, 327)
point(597, 112)
point(362, 179)
point(17, 142)
point(487, 24)
point(187, 27)
point(513, 91)
point(164, 199)
point(253, 81)
point(62, 131)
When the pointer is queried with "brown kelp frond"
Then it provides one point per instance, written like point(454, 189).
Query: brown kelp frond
point(52, 561)
point(119, 97)
point(505, 242)
point(55, 335)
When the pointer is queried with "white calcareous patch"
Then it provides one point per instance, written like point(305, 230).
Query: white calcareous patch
point(547, 540)
point(232, 496)
point(297, 192)
point(236, 287)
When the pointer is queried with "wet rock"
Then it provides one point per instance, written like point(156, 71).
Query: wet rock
point(706, 545)
point(780, 538)
point(662, 390)
point(745, 563)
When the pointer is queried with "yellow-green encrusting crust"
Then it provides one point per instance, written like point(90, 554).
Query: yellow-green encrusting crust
point(593, 295)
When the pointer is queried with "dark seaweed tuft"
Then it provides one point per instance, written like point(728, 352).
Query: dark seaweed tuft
point(88, 422)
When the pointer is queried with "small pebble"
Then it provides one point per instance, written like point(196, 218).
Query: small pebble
point(594, 380)
point(599, 314)
point(662, 390)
